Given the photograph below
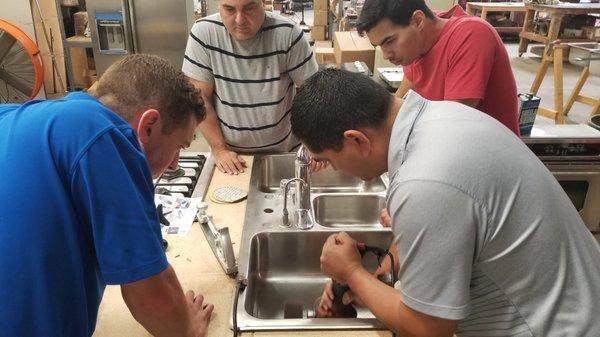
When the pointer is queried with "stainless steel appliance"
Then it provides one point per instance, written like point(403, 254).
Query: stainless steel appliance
point(121, 27)
point(572, 154)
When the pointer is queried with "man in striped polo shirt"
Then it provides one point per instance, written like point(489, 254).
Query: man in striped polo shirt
point(247, 64)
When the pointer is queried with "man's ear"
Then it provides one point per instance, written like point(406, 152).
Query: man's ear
point(360, 141)
point(418, 19)
point(149, 125)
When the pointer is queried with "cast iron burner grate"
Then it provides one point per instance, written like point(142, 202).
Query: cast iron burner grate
point(181, 182)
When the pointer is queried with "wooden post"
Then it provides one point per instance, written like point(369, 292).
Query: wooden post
point(527, 22)
point(558, 83)
point(580, 82)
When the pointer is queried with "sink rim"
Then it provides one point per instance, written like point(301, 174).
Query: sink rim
point(247, 322)
point(256, 221)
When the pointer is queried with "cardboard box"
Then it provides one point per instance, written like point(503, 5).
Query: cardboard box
point(320, 5)
point(320, 18)
point(80, 21)
point(318, 32)
point(350, 47)
point(324, 55)
point(80, 65)
point(323, 44)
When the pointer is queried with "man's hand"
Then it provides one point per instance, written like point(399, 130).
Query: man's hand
point(324, 309)
point(200, 313)
point(318, 165)
point(384, 218)
point(228, 161)
point(340, 257)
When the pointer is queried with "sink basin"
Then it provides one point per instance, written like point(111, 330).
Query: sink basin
point(343, 210)
point(284, 271)
point(274, 168)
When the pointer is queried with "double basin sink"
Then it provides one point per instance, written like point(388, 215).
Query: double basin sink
point(280, 266)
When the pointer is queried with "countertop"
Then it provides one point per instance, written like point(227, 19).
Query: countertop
point(198, 270)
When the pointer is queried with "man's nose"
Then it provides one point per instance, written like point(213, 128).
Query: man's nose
point(239, 18)
point(387, 52)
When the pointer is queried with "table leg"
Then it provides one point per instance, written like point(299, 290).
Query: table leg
point(555, 22)
point(539, 76)
point(558, 84)
point(580, 82)
point(596, 108)
point(527, 25)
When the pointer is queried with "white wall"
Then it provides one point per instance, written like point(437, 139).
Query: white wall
point(440, 5)
point(18, 12)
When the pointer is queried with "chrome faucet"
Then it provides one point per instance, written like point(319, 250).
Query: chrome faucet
point(303, 217)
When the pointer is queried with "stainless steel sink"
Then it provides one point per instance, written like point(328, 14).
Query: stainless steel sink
point(284, 271)
point(274, 168)
point(343, 210)
point(281, 265)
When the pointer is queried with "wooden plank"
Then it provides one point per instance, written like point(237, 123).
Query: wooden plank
point(533, 37)
point(586, 100)
point(558, 84)
point(549, 113)
point(52, 84)
point(508, 29)
point(565, 8)
point(575, 95)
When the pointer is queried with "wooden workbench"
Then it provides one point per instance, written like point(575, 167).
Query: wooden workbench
point(198, 270)
point(552, 49)
point(485, 7)
point(556, 12)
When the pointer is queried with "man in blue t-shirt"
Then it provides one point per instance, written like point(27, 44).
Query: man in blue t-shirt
point(77, 204)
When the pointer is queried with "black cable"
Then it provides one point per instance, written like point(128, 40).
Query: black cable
point(393, 266)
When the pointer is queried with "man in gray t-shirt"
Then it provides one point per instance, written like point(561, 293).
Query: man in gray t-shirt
point(247, 64)
point(488, 242)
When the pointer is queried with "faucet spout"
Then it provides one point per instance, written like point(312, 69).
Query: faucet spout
point(302, 171)
point(286, 188)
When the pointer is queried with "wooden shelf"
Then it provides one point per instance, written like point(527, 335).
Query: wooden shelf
point(78, 42)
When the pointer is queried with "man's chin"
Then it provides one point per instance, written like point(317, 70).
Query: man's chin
point(243, 36)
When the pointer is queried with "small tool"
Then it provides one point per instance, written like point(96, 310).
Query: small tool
point(339, 309)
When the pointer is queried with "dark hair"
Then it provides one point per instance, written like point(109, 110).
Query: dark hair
point(333, 101)
point(139, 82)
point(398, 11)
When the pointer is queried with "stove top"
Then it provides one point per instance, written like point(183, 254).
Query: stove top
point(565, 142)
point(191, 179)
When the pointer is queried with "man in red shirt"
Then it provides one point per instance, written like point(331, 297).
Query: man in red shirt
point(451, 56)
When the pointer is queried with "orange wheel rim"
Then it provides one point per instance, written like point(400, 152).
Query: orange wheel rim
point(32, 51)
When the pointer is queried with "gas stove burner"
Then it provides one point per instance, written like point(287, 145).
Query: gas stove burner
point(173, 174)
point(162, 190)
point(190, 179)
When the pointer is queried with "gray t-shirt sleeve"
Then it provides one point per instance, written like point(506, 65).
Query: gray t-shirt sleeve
point(197, 63)
point(301, 61)
point(435, 229)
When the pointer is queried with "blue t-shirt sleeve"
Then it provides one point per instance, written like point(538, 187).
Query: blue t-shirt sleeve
point(112, 188)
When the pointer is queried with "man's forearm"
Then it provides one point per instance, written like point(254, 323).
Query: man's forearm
point(210, 128)
point(381, 299)
point(386, 304)
point(404, 87)
point(159, 305)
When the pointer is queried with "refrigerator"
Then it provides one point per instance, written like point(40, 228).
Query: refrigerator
point(122, 27)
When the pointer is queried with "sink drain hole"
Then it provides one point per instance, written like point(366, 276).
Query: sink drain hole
point(268, 210)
